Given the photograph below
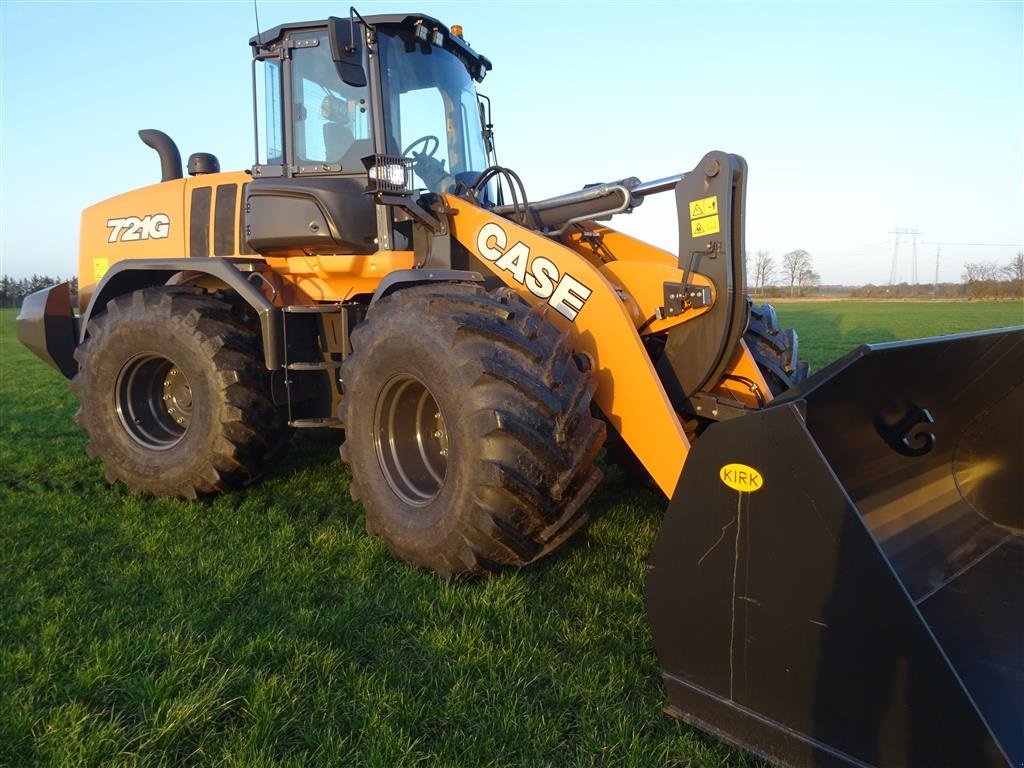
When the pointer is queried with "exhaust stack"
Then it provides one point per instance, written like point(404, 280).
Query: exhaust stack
point(170, 157)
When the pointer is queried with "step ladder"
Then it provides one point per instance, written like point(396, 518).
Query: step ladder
point(327, 334)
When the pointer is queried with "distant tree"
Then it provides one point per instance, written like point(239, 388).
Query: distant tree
point(808, 278)
point(982, 278)
point(7, 291)
point(794, 264)
point(764, 270)
point(1014, 271)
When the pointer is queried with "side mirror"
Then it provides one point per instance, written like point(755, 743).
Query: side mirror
point(347, 57)
point(486, 126)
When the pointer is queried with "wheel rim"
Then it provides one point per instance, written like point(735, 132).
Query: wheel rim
point(411, 439)
point(154, 401)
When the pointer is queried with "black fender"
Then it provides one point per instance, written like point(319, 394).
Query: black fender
point(135, 274)
point(404, 278)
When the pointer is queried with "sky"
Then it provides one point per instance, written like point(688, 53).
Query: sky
point(854, 118)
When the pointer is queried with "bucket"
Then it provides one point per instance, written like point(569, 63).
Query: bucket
point(839, 579)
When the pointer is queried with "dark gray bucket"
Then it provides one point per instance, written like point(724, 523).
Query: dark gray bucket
point(864, 603)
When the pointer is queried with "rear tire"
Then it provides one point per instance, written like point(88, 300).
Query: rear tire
point(774, 349)
point(468, 428)
point(174, 395)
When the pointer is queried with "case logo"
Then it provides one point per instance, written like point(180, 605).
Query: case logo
point(155, 225)
point(539, 275)
point(742, 478)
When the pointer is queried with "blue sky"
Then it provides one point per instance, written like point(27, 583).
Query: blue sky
point(854, 118)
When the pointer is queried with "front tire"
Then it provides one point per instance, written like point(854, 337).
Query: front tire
point(174, 396)
point(468, 429)
point(774, 350)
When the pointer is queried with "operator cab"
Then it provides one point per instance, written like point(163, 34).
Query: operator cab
point(332, 95)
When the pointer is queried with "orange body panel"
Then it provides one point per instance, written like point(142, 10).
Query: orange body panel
point(298, 279)
point(643, 283)
point(616, 245)
point(337, 278)
point(153, 222)
point(639, 269)
point(582, 301)
point(101, 244)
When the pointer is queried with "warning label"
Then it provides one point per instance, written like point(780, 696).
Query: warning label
point(99, 268)
point(709, 225)
point(706, 206)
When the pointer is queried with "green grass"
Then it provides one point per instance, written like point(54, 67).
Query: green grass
point(829, 329)
point(264, 628)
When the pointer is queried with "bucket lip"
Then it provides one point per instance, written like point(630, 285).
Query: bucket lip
point(815, 380)
point(1008, 329)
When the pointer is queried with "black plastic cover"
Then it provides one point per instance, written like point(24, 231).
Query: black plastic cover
point(202, 162)
point(329, 214)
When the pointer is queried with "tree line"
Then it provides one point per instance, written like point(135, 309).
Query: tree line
point(13, 292)
point(796, 270)
point(985, 279)
point(794, 275)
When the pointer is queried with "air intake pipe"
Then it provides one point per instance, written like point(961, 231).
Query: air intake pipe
point(170, 157)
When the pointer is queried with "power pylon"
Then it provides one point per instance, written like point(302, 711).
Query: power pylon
point(900, 232)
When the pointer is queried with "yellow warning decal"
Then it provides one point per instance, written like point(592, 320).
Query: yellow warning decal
point(706, 206)
point(99, 268)
point(707, 226)
point(740, 477)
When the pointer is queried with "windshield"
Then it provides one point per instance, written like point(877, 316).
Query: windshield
point(431, 111)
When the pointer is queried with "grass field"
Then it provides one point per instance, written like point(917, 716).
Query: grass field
point(828, 329)
point(264, 628)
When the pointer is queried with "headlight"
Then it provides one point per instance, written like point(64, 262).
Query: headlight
point(392, 174)
point(389, 174)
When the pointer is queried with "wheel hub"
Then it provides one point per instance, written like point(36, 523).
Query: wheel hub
point(411, 439)
point(154, 401)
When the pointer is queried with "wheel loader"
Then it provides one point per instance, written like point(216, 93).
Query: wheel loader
point(838, 579)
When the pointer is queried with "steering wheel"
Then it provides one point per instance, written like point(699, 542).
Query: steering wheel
point(430, 146)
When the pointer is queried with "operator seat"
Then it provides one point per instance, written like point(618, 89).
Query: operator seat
point(340, 144)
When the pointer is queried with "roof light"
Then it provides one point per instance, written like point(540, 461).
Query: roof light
point(457, 30)
point(437, 38)
point(421, 31)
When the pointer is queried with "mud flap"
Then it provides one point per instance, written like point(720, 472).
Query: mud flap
point(840, 577)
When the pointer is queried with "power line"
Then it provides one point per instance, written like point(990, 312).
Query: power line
point(975, 245)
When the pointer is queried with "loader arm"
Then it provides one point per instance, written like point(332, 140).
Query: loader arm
point(583, 302)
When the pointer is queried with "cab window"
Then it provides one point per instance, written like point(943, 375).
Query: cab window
point(330, 120)
point(270, 142)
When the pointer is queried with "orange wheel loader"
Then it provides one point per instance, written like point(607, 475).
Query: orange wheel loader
point(838, 580)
